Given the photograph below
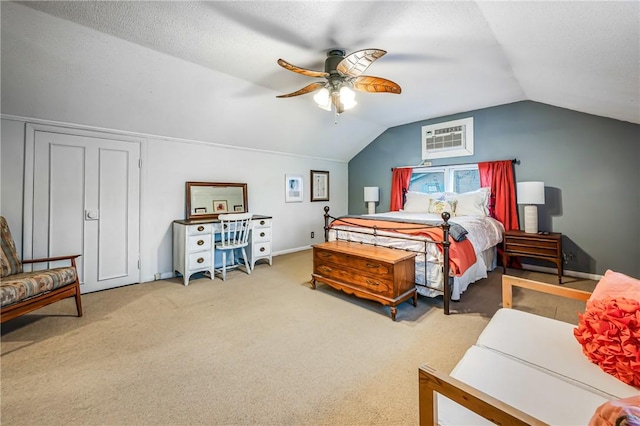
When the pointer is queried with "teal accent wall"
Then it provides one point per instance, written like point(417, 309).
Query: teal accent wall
point(590, 166)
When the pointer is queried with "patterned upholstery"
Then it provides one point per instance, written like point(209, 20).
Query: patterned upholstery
point(9, 260)
point(31, 284)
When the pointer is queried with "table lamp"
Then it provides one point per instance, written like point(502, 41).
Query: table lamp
point(371, 197)
point(530, 194)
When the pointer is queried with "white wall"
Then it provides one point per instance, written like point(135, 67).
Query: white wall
point(168, 163)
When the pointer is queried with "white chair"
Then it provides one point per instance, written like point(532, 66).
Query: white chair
point(234, 234)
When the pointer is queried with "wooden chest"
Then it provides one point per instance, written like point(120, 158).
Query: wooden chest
point(376, 273)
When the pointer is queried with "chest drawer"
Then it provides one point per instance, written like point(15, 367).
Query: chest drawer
point(261, 223)
point(365, 266)
point(382, 285)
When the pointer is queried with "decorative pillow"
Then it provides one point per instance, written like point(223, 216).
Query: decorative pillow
point(622, 412)
point(474, 203)
point(439, 207)
point(609, 329)
point(417, 202)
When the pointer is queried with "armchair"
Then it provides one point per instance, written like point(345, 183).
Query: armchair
point(23, 292)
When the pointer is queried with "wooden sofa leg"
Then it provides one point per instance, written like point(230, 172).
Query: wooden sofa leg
point(78, 299)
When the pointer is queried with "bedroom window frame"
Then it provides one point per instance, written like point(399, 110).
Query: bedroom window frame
point(449, 176)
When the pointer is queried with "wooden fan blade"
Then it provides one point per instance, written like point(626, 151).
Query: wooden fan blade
point(356, 63)
point(310, 73)
point(306, 89)
point(367, 83)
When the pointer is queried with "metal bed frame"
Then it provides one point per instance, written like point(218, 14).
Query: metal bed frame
point(446, 287)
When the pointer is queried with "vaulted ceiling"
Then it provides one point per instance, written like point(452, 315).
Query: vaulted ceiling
point(448, 57)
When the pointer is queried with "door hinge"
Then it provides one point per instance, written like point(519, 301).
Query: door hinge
point(138, 263)
point(139, 163)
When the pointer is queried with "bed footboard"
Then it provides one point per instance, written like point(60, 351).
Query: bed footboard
point(445, 243)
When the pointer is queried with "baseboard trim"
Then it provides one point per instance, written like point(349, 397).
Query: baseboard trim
point(576, 274)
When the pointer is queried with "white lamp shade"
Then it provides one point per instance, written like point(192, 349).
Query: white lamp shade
point(371, 194)
point(530, 192)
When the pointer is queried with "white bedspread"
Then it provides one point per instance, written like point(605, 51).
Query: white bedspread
point(484, 233)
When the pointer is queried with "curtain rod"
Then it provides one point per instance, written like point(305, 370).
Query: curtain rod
point(514, 161)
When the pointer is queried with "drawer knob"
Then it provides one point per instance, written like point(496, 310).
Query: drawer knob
point(200, 228)
point(200, 259)
point(325, 268)
point(262, 249)
point(262, 222)
point(262, 234)
point(372, 282)
point(372, 265)
point(200, 242)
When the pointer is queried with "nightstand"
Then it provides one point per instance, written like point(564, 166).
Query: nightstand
point(540, 246)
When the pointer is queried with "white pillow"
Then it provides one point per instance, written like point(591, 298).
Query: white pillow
point(474, 203)
point(417, 202)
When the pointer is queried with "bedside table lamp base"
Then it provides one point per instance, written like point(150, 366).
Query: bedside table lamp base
point(531, 219)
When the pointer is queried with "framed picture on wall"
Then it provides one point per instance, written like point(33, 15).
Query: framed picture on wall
point(238, 208)
point(220, 206)
point(293, 189)
point(319, 185)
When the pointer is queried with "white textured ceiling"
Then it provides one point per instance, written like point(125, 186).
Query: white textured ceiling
point(448, 57)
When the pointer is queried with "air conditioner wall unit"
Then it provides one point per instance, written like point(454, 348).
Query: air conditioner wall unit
point(449, 139)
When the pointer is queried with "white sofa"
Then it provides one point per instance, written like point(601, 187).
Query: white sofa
point(523, 369)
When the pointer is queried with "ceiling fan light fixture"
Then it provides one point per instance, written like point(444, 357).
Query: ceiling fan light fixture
point(347, 98)
point(323, 99)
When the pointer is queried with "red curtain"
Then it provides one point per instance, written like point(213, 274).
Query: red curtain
point(399, 185)
point(498, 175)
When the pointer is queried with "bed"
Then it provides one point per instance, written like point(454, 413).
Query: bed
point(421, 227)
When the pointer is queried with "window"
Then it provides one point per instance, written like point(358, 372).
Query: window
point(460, 179)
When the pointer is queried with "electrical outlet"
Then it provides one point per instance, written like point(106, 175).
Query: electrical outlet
point(313, 234)
point(157, 276)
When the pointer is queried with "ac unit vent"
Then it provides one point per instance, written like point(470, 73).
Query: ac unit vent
point(451, 139)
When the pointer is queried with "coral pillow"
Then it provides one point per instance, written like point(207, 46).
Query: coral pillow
point(609, 329)
point(614, 413)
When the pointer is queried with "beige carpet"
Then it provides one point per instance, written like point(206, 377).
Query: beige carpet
point(256, 349)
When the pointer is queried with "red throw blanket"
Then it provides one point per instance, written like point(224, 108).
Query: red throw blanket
point(461, 253)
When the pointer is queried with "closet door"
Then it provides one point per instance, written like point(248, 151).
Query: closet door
point(85, 199)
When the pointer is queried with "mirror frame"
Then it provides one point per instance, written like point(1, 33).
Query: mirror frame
point(214, 184)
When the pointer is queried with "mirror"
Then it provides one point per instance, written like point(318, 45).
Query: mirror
point(206, 200)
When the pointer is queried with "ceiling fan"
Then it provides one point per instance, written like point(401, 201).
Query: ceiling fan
point(342, 73)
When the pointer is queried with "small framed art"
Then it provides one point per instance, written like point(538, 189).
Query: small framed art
point(293, 189)
point(238, 208)
point(200, 210)
point(319, 185)
point(220, 206)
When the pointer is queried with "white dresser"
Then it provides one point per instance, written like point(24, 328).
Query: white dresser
point(194, 245)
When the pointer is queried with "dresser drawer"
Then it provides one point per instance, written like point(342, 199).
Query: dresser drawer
point(199, 242)
point(366, 266)
point(261, 223)
point(261, 249)
point(199, 260)
point(261, 235)
point(378, 284)
point(204, 228)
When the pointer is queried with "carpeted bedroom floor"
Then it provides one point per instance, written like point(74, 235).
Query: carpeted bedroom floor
point(259, 349)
